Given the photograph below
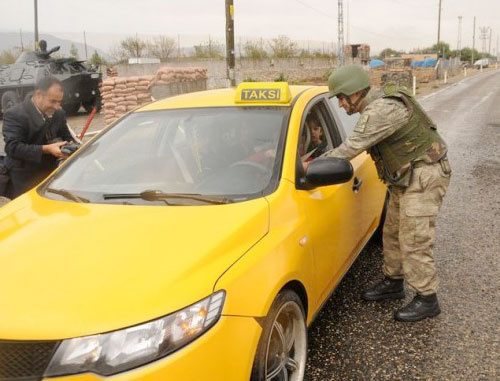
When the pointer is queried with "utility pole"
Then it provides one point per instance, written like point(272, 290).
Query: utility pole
point(439, 23)
point(484, 37)
point(178, 46)
point(473, 41)
point(85, 42)
point(489, 46)
point(497, 47)
point(347, 24)
point(36, 24)
point(340, 43)
point(21, 35)
point(459, 39)
point(137, 46)
point(230, 61)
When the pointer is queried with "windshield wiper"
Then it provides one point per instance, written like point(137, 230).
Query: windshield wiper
point(67, 194)
point(157, 195)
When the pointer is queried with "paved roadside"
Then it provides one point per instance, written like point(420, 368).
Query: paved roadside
point(356, 340)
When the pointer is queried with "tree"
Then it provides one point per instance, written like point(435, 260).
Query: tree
point(439, 49)
point(388, 52)
point(283, 47)
point(162, 47)
point(73, 51)
point(96, 59)
point(254, 50)
point(133, 47)
point(208, 50)
point(118, 54)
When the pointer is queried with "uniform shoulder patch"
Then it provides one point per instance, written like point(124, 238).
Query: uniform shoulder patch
point(362, 122)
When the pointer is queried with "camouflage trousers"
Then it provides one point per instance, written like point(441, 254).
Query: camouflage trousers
point(409, 228)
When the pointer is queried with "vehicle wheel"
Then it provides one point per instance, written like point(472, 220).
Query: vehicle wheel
point(9, 99)
point(29, 95)
point(377, 236)
point(89, 105)
point(71, 108)
point(282, 350)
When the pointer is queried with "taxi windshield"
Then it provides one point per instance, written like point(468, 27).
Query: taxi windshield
point(178, 157)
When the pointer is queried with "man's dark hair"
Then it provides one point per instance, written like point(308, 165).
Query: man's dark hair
point(46, 83)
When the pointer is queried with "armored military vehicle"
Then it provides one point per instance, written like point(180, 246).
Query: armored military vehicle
point(80, 82)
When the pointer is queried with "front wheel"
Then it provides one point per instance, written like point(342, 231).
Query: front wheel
point(9, 99)
point(282, 350)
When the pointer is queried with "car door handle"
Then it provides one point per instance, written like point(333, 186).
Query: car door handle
point(357, 184)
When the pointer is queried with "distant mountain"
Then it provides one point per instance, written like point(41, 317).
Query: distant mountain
point(9, 40)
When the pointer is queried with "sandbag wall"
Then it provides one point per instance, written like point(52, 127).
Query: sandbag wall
point(122, 94)
point(166, 75)
point(170, 81)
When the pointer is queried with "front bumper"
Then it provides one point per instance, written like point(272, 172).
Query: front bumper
point(225, 352)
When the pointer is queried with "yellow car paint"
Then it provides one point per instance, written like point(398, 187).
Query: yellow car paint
point(71, 269)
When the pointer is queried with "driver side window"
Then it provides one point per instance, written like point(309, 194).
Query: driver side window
point(315, 138)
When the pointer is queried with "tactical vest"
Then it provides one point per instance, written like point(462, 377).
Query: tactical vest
point(408, 144)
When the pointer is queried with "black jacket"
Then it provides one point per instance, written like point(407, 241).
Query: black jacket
point(24, 133)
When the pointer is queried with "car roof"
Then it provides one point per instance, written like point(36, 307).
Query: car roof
point(215, 98)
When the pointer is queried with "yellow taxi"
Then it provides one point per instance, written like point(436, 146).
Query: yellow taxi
point(186, 241)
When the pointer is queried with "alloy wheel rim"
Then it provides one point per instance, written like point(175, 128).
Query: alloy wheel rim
point(287, 345)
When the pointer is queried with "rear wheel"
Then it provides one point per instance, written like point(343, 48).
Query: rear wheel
point(282, 350)
point(88, 106)
point(9, 99)
point(71, 108)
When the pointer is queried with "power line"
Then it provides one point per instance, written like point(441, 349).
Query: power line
point(371, 32)
point(315, 9)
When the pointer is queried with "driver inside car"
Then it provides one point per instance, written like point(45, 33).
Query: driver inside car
point(314, 142)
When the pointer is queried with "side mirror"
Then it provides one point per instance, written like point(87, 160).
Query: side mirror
point(327, 171)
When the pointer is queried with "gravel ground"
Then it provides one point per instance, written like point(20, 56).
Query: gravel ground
point(356, 340)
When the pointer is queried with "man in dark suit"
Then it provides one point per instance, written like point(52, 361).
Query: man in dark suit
point(34, 132)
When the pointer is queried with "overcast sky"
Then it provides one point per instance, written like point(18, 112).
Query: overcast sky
point(399, 24)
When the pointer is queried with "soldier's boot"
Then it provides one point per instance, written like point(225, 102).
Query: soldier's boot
point(419, 308)
point(386, 289)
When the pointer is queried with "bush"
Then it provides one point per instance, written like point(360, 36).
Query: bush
point(281, 78)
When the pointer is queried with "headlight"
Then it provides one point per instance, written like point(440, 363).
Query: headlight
point(118, 351)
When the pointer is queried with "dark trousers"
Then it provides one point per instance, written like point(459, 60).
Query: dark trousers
point(22, 180)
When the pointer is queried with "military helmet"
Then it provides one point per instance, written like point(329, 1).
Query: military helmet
point(348, 80)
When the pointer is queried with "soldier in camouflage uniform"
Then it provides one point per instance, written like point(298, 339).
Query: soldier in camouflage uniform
point(410, 157)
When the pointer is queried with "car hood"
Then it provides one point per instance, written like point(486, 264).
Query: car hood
point(71, 269)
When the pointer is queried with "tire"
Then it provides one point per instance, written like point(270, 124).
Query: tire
point(71, 108)
point(88, 106)
point(282, 349)
point(9, 99)
point(29, 95)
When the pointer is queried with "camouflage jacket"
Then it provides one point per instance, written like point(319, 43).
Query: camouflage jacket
point(380, 118)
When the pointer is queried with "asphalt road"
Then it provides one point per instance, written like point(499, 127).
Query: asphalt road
point(356, 340)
